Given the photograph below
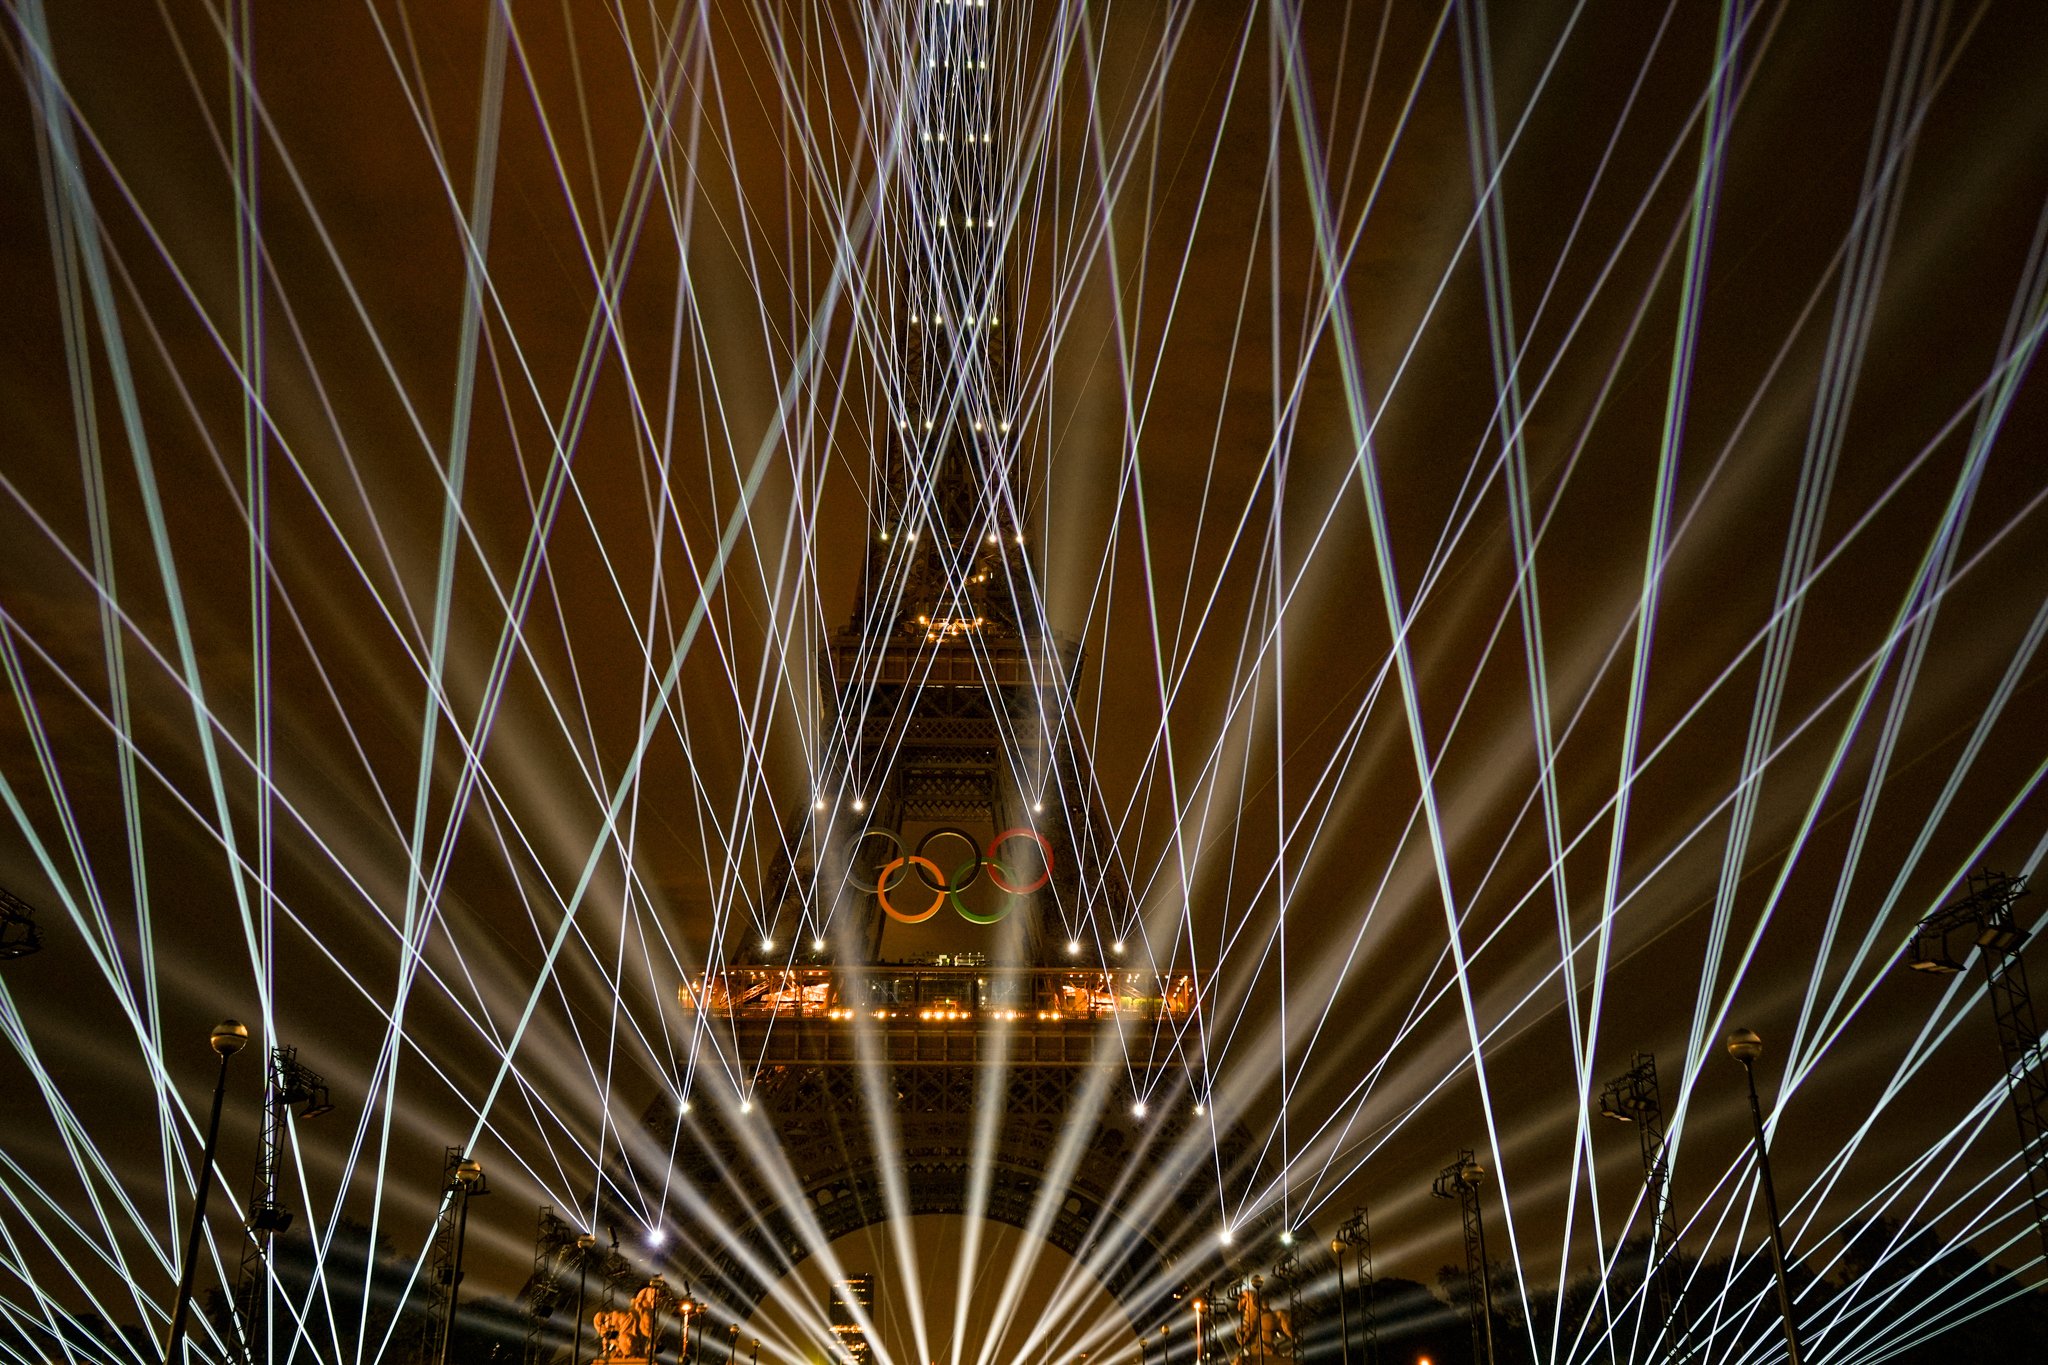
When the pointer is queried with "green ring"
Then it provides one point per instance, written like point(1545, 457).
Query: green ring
point(1010, 899)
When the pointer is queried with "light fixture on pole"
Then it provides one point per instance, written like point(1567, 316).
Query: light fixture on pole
point(469, 1181)
point(1337, 1250)
point(584, 1244)
point(1745, 1046)
point(229, 1037)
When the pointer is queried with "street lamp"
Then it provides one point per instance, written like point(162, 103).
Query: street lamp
point(584, 1244)
point(1745, 1046)
point(1337, 1250)
point(229, 1037)
point(469, 1173)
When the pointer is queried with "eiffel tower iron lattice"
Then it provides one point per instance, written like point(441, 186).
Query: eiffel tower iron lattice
point(997, 1062)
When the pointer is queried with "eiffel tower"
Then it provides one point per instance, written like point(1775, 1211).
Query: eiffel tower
point(936, 1024)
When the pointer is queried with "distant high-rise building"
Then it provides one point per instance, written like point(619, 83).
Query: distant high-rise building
point(853, 1298)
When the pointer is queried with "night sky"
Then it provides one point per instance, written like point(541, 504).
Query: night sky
point(1616, 325)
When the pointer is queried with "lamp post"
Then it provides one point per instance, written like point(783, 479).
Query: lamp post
point(229, 1037)
point(584, 1244)
point(1201, 1306)
point(1343, 1307)
point(1745, 1046)
point(467, 1173)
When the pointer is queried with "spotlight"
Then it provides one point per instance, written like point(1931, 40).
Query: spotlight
point(685, 1106)
point(270, 1218)
point(1137, 1109)
point(767, 945)
point(1223, 1237)
point(1073, 947)
point(746, 1106)
point(817, 945)
point(859, 805)
point(819, 804)
point(1117, 947)
point(655, 1237)
point(1200, 1109)
point(1038, 807)
point(1286, 1237)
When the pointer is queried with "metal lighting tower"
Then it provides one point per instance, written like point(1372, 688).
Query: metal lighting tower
point(553, 1239)
point(1460, 1181)
point(289, 1084)
point(1634, 1098)
point(1986, 915)
point(445, 1259)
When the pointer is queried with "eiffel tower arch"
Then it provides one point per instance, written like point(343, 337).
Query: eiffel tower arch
point(1045, 1143)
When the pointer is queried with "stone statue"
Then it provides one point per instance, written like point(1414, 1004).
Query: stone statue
point(647, 1307)
point(1262, 1333)
point(630, 1334)
point(614, 1334)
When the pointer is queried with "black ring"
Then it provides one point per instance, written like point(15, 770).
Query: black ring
point(974, 847)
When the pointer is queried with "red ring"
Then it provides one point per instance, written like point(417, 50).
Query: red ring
point(882, 889)
point(995, 872)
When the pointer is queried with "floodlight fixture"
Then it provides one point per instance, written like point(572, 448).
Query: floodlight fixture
point(19, 935)
point(270, 1219)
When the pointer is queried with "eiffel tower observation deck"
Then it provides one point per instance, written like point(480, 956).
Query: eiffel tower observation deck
point(934, 1025)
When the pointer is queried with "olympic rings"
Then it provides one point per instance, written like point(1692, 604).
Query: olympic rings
point(973, 862)
point(945, 888)
point(874, 832)
point(975, 916)
point(882, 892)
point(995, 869)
